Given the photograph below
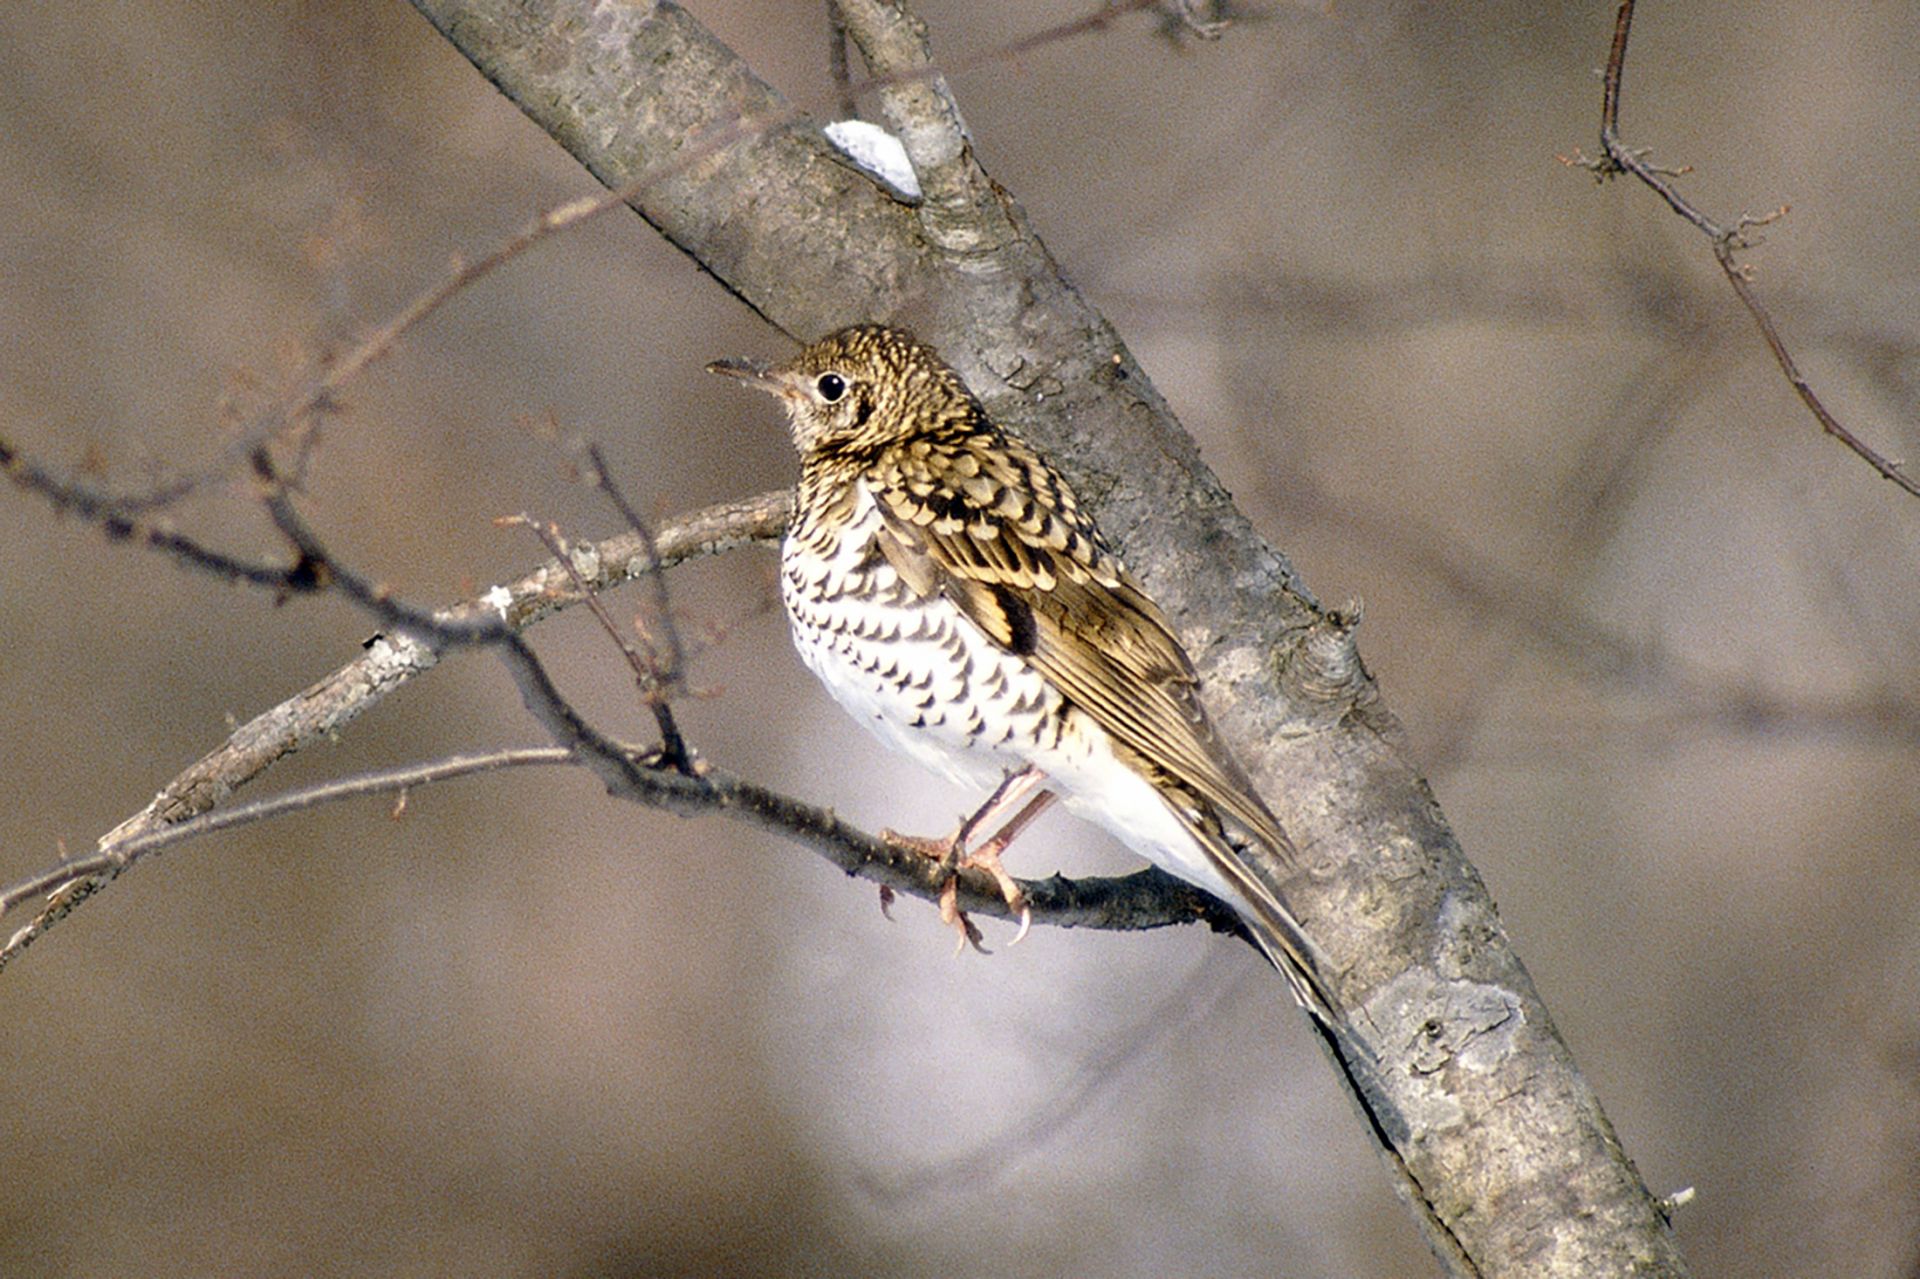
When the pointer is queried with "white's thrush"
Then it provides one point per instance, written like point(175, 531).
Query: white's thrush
point(946, 587)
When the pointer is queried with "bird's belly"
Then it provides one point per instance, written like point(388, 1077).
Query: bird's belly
point(928, 683)
point(1097, 787)
point(916, 672)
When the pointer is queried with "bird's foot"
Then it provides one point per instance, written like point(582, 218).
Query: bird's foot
point(950, 853)
point(953, 858)
point(945, 850)
point(987, 858)
point(953, 917)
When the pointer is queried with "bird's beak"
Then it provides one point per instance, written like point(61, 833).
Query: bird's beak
point(755, 373)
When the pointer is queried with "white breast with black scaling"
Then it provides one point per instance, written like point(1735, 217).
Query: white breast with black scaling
point(915, 671)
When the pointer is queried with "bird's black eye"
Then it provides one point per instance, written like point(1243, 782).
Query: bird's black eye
point(831, 387)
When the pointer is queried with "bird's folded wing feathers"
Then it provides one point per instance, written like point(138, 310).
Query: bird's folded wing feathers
point(1033, 576)
point(1037, 583)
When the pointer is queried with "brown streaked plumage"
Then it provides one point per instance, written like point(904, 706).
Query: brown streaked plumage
point(945, 585)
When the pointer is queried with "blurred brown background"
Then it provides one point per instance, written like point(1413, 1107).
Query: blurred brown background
point(1653, 636)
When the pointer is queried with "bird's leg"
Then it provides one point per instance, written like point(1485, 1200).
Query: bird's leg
point(952, 855)
point(1013, 788)
point(987, 858)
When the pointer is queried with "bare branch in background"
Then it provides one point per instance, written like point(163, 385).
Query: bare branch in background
point(317, 713)
point(121, 855)
point(1728, 241)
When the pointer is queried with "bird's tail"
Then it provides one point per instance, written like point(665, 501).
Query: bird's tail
point(1273, 927)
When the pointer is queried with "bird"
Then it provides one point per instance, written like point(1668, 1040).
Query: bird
point(945, 584)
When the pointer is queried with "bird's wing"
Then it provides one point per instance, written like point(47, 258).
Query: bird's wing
point(987, 524)
point(984, 521)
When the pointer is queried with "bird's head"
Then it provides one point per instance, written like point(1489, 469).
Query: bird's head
point(860, 389)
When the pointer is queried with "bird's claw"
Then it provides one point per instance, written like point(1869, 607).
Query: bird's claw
point(953, 858)
point(987, 858)
point(953, 917)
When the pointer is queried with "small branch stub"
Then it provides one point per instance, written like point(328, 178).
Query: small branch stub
point(1326, 670)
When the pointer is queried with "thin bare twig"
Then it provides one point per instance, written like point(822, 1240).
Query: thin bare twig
point(646, 667)
point(837, 63)
point(672, 673)
point(1098, 19)
point(1728, 242)
point(319, 390)
point(120, 856)
point(99, 507)
point(1196, 1003)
